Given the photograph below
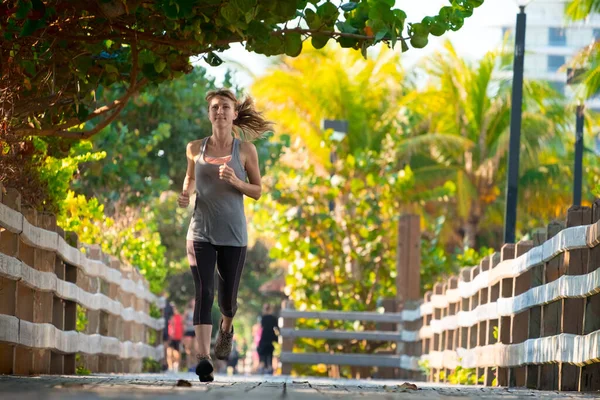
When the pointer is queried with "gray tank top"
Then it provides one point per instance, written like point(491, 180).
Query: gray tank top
point(219, 216)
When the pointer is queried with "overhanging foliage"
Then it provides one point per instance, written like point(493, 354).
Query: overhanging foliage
point(56, 54)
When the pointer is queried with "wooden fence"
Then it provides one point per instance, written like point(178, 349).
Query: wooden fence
point(402, 362)
point(399, 325)
point(48, 286)
point(526, 316)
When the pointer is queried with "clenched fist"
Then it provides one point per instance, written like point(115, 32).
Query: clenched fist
point(183, 200)
point(227, 174)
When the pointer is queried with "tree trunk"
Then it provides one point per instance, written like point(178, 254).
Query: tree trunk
point(471, 229)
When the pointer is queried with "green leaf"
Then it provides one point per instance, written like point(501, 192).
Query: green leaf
point(319, 40)
point(404, 46)
point(170, 9)
point(23, 8)
point(230, 13)
point(347, 42)
point(380, 35)
point(159, 65)
point(438, 28)
point(345, 27)
point(31, 26)
point(349, 6)
point(312, 19)
point(293, 44)
point(328, 12)
point(111, 69)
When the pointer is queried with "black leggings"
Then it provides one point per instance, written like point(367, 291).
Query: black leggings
point(230, 263)
point(267, 359)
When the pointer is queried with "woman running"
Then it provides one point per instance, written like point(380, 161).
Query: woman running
point(221, 169)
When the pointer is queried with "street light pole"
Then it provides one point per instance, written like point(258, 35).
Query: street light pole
point(575, 77)
point(578, 170)
point(510, 215)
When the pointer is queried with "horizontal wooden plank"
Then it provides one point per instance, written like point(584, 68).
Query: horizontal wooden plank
point(10, 219)
point(38, 237)
point(356, 360)
point(15, 269)
point(96, 268)
point(343, 315)
point(576, 237)
point(566, 348)
point(340, 335)
point(567, 286)
point(47, 336)
point(412, 315)
point(44, 239)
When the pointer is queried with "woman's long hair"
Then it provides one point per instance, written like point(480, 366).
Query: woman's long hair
point(249, 124)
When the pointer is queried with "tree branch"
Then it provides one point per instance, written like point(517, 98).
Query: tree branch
point(60, 131)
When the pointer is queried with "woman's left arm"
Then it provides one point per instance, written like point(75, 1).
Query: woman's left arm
point(252, 188)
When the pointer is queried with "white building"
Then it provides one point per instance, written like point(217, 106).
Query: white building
point(551, 41)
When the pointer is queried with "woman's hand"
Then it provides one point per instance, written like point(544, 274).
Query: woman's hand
point(227, 174)
point(183, 200)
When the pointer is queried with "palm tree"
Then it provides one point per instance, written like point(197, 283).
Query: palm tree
point(332, 83)
point(472, 102)
point(588, 57)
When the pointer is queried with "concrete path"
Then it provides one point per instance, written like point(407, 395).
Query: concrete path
point(186, 386)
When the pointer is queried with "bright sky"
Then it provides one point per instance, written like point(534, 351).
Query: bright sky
point(481, 32)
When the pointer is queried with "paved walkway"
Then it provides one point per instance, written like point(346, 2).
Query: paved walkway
point(186, 386)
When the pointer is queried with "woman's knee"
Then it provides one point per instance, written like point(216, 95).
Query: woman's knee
point(191, 254)
point(228, 309)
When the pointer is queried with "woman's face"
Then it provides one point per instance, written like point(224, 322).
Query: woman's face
point(221, 111)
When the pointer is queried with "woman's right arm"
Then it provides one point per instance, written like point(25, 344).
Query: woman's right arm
point(188, 182)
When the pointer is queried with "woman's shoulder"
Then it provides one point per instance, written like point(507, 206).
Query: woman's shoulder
point(247, 147)
point(193, 148)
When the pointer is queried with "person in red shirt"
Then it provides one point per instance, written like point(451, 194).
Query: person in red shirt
point(175, 336)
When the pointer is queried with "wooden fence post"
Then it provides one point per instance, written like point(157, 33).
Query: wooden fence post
point(58, 313)
point(25, 299)
point(408, 259)
point(504, 327)
point(492, 324)
point(9, 245)
point(590, 374)
point(287, 344)
point(43, 301)
point(444, 333)
point(573, 308)
point(519, 323)
point(413, 348)
point(465, 306)
point(482, 325)
point(473, 304)
point(532, 371)
point(70, 324)
point(427, 341)
point(451, 311)
point(408, 266)
point(551, 313)
point(436, 345)
point(390, 305)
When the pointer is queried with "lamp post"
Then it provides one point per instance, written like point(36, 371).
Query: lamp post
point(340, 129)
point(510, 215)
point(574, 77)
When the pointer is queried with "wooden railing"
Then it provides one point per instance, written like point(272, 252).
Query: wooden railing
point(526, 316)
point(399, 325)
point(403, 363)
point(47, 284)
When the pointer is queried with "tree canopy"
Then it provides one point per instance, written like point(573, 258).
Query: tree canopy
point(56, 54)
